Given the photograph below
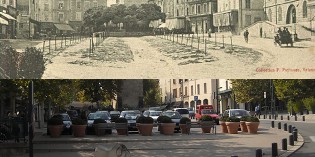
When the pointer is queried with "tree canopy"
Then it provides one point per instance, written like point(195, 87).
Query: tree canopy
point(151, 92)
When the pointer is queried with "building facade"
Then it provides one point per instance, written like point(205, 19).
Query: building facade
point(131, 2)
point(8, 14)
point(188, 92)
point(131, 95)
point(296, 15)
point(235, 15)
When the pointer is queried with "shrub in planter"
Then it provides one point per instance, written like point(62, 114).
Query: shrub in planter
point(232, 124)
point(252, 124)
point(167, 126)
point(121, 121)
point(96, 123)
point(55, 127)
point(78, 127)
point(243, 119)
point(138, 121)
point(146, 126)
point(183, 125)
point(222, 121)
point(206, 120)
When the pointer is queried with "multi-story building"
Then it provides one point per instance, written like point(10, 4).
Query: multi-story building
point(188, 92)
point(235, 15)
point(131, 2)
point(296, 15)
point(200, 13)
point(60, 16)
point(8, 14)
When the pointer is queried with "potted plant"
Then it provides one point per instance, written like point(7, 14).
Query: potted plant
point(222, 121)
point(146, 126)
point(138, 121)
point(121, 121)
point(232, 124)
point(206, 122)
point(252, 124)
point(55, 127)
point(79, 127)
point(243, 119)
point(183, 125)
point(96, 124)
point(167, 126)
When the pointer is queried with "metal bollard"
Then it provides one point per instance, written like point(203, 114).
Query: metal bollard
point(290, 129)
point(274, 148)
point(275, 117)
point(259, 153)
point(288, 117)
point(269, 116)
point(264, 116)
point(295, 118)
point(284, 144)
point(285, 127)
point(303, 118)
point(291, 140)
point(295, 135)
point(279, 125)
point(272, 124)
point(281, 117)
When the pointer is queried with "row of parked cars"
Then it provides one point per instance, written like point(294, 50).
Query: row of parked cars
point(131, 115)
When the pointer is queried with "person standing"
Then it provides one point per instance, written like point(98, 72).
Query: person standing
point(246, 33)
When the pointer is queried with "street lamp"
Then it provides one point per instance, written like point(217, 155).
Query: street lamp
point(272, 99)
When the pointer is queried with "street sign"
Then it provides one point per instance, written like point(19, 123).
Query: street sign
point(265, 95)
point(196, 98)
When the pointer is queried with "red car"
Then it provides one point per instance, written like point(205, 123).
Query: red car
point(209, 112)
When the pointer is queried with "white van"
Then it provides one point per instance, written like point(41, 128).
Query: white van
point(182, 111)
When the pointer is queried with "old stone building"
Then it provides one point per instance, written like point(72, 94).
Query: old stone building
point(8, 15)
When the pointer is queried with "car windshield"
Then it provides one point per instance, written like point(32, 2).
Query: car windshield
point(155, 113)
point(131, 115)
point(182, 111)
point(63, 117)
point(208, 112)
point(173, 115)
point(239, 113)
point(94, 116)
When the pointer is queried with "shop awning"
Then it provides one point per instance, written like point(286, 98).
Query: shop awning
point(63, 27)
point(9, 17)
point(3, 21)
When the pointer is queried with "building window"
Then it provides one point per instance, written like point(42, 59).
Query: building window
point(177, 12)
point(78, 5)
point(198, 89)
point(205, 88)
point(174, 81)
point(61, 16)
point(4, 2)
point(46, 7)
point(11, 2)
point(304, 9)
point(60, 6)
point(78, 16)
point(94, 4)
point(247, 4)
point(191, 90)
point(198, 9)
point(192, 9)
point(87, 4)
point(279, 14)
point(187, 11)
point(205, 10)
point(186, 90)
point(174, 93)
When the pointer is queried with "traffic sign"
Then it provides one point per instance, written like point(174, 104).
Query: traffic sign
point(196, 98)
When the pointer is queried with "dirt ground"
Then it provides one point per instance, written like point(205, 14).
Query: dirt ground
point(155, 57)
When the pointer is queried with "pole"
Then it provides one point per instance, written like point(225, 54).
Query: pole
point(61, 40)
point(30, 117)
point(198, 42)
point(215, 39)
point(49, 45)
point(223, 40)
point(205, 46)
point(44, 46)
point(55, 43)
point(231, 43)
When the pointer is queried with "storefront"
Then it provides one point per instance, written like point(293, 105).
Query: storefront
point(10, 30)
point(226, 21)
point(3, 27)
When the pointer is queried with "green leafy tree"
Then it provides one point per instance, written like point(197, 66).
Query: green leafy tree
point(151, 91)
point(309, 103)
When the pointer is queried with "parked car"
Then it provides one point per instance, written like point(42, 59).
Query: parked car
point(123, 113)
point(175, 116)
point(152, 113)
point(182, 111)
point(97, 115)
point(155, 109)
point(67, 123)
point(131, 118)
point(105, 112)
point(211, 113)
point(236, 112)
point(114, 115)
point(73, 114)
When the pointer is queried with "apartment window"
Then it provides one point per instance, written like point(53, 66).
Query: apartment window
point(198, 89)
point(205, 88)
point(270, 15)
point(46, 7)
point(61, 16)
point(279, 14)
point(78, 16)
point(174, 93)
point(304, 9)
point(177, 1)
point(187, 11)
point(177, 12)
point(247, 4)
point(191, 90)
point(186, 90)
point(193, 9)
point(78, 5)
point(94, 4)
point(174, 81)
point(60, 6)
point(205, 10)
point(198, 9)
point(11, 2)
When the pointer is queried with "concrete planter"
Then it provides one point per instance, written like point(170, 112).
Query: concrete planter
point(232, 127)
point(79, 130)
point(243, 126)
point(223, 127)
point(146, 129)
point(184, 129)
point(55, 130)
point(252, 127)
point(168, 128)
point(206, 126)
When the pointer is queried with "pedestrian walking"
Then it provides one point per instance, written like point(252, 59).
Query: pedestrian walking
point(209, 32)
point(246, 33)
point(257, 110)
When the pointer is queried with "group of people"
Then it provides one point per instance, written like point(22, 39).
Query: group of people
point(284, 33)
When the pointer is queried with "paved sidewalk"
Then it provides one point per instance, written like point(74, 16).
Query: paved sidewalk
point(196, 144)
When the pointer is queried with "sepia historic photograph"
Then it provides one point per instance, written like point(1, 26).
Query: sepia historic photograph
point(154, 38)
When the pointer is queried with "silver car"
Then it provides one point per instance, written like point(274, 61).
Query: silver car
point(175, 116)
point(152, 114)
point(236, 113)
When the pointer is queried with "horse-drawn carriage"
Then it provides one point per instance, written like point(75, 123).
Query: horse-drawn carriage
point(283, 37)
